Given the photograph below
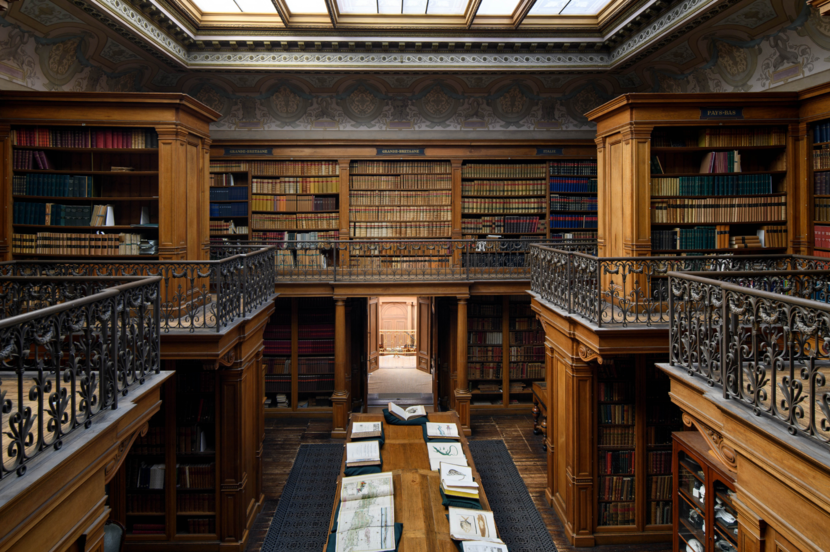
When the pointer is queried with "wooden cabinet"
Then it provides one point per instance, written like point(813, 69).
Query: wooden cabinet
point(705, 518)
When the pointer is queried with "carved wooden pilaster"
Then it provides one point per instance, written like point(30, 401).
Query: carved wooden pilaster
point(462, 392)
point(341, 398)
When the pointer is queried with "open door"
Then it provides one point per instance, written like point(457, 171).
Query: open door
point(424, 334)
point(372, 327)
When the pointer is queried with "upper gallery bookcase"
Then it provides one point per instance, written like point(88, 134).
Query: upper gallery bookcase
point(134, 162)
point(695, 173)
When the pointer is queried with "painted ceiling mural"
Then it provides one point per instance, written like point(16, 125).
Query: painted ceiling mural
point(757, 45)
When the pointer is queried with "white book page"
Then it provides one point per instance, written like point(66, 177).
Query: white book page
point(365, 427)
point(470, 546)
point(362, 451)
point(435, 462)
point(370, 539)
point(457, 476)
point(362, 487)
point(468, 524)
point(441, 430)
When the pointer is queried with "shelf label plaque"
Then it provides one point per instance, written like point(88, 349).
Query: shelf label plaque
point(401, 151)
point(248, 151)
point(549, 151)
point(721, 112)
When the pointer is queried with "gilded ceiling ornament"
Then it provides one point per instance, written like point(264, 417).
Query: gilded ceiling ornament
point(59, 61)
point(361, 106)
point(211, 98)
point(437, 107)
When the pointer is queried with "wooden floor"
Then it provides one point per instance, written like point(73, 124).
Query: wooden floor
point(283, 438)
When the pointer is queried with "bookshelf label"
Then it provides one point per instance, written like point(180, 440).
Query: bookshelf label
point(721, 113)
point(247, 151)
point(549, 151)
point(401, 151)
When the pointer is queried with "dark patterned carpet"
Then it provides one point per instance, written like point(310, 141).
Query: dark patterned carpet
point(301, 521)
point(519, 523)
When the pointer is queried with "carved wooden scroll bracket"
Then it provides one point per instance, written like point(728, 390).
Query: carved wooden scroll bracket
point(123, 448)
point(724, 452)
point(587, 354)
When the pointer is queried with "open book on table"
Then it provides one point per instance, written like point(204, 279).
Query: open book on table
point(367, 514)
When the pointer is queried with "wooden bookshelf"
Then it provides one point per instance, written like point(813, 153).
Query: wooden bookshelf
point(572, 212)
point(65, 149)
point(230, 190)
point(299, 356)
point(525, 355)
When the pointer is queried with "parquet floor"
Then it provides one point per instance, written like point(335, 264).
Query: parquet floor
point(283, 438)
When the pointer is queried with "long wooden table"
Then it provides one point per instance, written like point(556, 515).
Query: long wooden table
point(417, 488)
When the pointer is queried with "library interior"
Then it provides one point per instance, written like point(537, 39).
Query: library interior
point(416, 275)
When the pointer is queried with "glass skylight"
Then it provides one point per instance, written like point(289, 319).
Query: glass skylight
point(307, 6)
point(256, 6)
point(584, 7)
point(369, 6)
point(446, 7)
point(547, 7)
point(217, 6)
point(415, 6)
point(497, 7)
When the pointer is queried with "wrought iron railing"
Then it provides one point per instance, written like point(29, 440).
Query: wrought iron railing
point(397, 341)
point(194, 295)
point(763, 338)
point(401, 260)
point(69, 347)
point(625, 291)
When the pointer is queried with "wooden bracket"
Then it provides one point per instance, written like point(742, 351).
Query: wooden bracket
point(225, 361)
point(722, 450)
point(123, 448)
point(587, 354)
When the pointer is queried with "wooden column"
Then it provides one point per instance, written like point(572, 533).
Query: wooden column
point(603, 223)
point(800, 200)
point(204, 200)
point(6, 186)
point(751, 528)
point(342, 253)
point(172, 176)
point(456, 211)
point(462, 393)
point(341, 399)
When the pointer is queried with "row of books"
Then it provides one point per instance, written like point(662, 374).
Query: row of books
point(518, 307)
point(700, 237)
point(195, 502)
point(228, 209)
point(237, 193)
point(146, 529)
point(659, 513)
point(822, 206)
point(223, 180)
point(822, 236)
point(586, 167)
point(821, 158)
point(142, 475)
point(527, 370)
point(499, 225)
point(272, 237)
point(54, 185)
point(30, 159)
point(821, 132)
point(741, 136)
point(485, 309)
point(484, 324)
point(484, 353)
point(278, 168)
point(616, 413)
point(422, 182)
point(306, 383)
point(738, 184)
point(124, 138)
point(659, 462)
point(581, 185)
point(301, 258)
point(527, 337)
point(222, 227)
point(400, 263)
point(399, 167)
point(660, 487)
point(293, 203)
point(400, 229)
point(523, 323)
point(484, 338)
point(616, 513)
point(719, 210)
point(152, 443)
point(53, 243)
point(276, 365)
point(404, 214)
point(437, 197)
point(616, 462)
point(711, 162)
point(295, 222)
point(532, 205)
point(572, 203)
point(195, 476)
point(145, 503)
point(616, 436)
point(292, 185)
point(191, 439)
point(821, 183)
point(773, 236)
point(658, 435)
point(488, 170)
point(480, 371)
point(54, 214)
point(503, 188)
point(524, 352)
point(573, 221)
point(206, 526)
point(278, 383)
point(614, 391)
point(616, 488)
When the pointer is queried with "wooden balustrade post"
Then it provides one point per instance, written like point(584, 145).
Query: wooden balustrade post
point(462, 393)
point(341, 399)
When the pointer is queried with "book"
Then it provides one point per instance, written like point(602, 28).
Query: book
point(360, 430)
point(461, 492)
point(408, 413)
point(448, 453)
point(457, 476)
point(367, 514)
point(363, 453)
point(473, 546)
point(466, 524)
point(442, 431)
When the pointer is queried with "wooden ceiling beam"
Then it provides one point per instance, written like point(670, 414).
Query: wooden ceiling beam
point(471, 15)
point(521, 12)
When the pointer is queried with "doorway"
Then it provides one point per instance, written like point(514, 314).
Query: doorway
point(400, 351)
